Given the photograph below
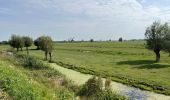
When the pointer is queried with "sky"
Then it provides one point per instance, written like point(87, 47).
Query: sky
point(81, 19)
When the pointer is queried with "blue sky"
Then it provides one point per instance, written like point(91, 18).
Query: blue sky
point(81, 19)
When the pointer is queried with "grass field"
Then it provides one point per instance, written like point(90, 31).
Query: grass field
point(128, 62)
point(125, 62)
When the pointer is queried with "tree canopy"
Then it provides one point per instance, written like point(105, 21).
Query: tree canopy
point(16, 42)
point(46, 44)
point(37, 43)
point(28, 41)
point(156, 37)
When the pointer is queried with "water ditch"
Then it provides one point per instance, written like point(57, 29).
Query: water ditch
point(131, 92)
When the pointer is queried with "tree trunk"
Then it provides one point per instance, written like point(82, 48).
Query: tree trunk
point(157, 52)
point(50, 56)
point(45, 55)
point(21, 49)
point(27, 51)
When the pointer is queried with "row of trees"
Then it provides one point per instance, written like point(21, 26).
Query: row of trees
point(17, 42)
point(158, 38)
point(44, 43)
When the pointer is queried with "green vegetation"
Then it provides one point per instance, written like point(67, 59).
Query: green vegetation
point(157, 37)
point(27, 42)
point(93, 89)
point(19, 86)
point(37, 43)
point(25, 77)
point(127, 62)
point(16, 42)
point(21, 81)
point(46, 44)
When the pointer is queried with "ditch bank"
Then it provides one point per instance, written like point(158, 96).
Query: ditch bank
point(124, 90)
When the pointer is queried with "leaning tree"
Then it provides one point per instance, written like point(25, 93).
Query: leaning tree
point(155, 37)
point(46, 44)
point(28, 41)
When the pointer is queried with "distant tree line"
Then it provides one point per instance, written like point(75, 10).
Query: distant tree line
point(44, 43)
point(4, 42)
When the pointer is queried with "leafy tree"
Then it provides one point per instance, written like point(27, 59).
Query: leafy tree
point(37, 43)
point(46, 44)
point(28, 41)
point(16, 42)
point(155, 37)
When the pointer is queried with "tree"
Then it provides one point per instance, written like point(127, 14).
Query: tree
point(120, 39)
point(37, 43)
point(167, 43)
point(46, 44)
point(28, 41)
point(16, 42)
point(91, 40)
point(155, 35)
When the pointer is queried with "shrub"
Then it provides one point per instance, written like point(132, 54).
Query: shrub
point(34, 63)
point(108, 84)
point(91, 87)
point(31, 62)
point(93, 90)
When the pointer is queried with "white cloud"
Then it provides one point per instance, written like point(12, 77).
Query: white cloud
point(108, 9)
point(124, 17)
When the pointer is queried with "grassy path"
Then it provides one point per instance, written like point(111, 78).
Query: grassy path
point(132, 93)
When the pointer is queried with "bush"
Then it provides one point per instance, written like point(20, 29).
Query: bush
point(34, 63)
point(31, 62)
point(108, 84)
point(91, 87)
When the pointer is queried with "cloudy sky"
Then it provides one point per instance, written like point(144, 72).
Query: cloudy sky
point(81, 19)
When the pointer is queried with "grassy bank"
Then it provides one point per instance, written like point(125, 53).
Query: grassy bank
point(25, 82)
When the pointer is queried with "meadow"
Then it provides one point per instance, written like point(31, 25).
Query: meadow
point(24, 77)
point(127, 62)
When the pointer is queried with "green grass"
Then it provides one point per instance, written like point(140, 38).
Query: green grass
point(19, 86)
point(18, 82)
point(128, 62)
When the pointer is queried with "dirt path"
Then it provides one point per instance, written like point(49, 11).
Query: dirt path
point(131, 92)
